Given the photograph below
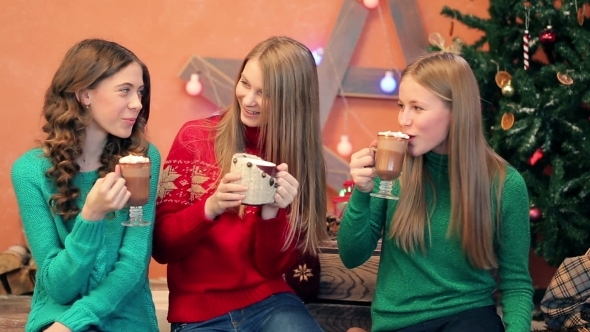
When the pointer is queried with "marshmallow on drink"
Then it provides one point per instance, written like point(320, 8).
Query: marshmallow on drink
point(131, 159)
point(397, 134)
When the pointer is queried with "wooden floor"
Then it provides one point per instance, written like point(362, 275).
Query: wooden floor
point(13, 313)
point(15, 309)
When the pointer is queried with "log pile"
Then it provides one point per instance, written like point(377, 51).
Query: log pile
point(332, 224)
point(17, 271)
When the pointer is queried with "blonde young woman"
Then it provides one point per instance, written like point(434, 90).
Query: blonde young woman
point(226, 261)
point(92, 273)
point(462, 212)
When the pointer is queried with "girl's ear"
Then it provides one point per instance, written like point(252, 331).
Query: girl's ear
point(83, 97)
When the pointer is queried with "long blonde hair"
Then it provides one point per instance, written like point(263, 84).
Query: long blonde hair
point(291, 132)
point(475, 170)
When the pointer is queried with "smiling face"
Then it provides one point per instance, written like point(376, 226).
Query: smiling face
point(249, 94)
point(423, 116)
point(115, 102)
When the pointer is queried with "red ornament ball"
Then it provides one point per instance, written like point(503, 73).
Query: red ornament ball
point(535, 213)
point(548, 36)
point(537, 155)
point(548, 170)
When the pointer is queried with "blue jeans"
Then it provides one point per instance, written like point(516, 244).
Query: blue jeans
point(283, 312)
point(482, 319)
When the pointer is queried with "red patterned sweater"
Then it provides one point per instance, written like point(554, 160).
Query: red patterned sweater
point(214, 266)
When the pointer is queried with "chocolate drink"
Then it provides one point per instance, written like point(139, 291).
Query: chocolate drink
point(137, 179)
point(389, 157)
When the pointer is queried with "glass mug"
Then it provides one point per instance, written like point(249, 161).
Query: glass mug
point(389, 160)
point(137, 172)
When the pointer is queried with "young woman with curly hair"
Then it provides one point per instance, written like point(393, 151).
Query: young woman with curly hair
point(92, 271)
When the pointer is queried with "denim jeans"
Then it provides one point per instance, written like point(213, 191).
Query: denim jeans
point(482, 319)
point(283, 312)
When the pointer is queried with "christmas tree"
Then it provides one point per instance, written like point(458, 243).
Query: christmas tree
point(533, 69)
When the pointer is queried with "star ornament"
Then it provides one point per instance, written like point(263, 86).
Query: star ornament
point(335, 80)
point(302, 272)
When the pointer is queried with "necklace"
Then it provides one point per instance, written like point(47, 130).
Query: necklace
point(86, 166)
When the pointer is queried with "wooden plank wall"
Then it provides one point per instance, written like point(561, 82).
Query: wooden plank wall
point(345, 294)
point(339, 317)
point(337, 54)
point(338, 283)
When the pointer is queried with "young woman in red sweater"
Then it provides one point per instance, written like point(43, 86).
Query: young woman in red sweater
point(226, 260)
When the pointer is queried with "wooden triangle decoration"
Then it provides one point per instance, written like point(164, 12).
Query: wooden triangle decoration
point(336, 77)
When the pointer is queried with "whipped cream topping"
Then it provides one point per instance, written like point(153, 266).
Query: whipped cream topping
point(397, 134)
point(259, 162)
point(131, 159)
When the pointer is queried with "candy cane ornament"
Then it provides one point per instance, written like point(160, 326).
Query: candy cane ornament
point(526, 38)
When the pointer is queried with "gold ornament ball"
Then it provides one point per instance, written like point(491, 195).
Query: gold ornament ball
point(508, 90)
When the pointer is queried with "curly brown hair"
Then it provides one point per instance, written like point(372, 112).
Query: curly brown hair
point(84, 66)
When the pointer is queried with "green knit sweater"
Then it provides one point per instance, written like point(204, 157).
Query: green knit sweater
point(413, 288)
point(89, 273)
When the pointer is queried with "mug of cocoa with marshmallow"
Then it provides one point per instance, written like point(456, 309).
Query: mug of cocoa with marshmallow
point(256, 174)
point(137, 171)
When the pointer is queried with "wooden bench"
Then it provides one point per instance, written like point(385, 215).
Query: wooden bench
point(14, 311)
point(345, 295)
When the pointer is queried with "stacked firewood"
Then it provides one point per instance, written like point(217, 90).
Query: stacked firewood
point(17, 271)
point(332, 225)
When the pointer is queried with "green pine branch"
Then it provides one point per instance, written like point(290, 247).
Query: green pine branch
point(549, 114)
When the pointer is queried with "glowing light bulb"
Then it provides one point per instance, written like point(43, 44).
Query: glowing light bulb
point(194, 86)
point(344, 147)
point(318, 53)
point(371, 3)
point(388, 83)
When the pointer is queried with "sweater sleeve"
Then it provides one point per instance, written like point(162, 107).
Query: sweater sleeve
point(270, 259)
point(360, 228)
point(188, 179)
point(513, 255)
point(129, 274)
point(63, 267)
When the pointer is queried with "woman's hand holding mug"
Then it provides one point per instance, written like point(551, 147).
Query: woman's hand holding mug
point(287, 190)
point(362, 170)
point(227, 195)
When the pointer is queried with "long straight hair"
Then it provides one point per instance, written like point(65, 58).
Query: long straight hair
point(84, 66)
point(476, 172)
point(290, 133)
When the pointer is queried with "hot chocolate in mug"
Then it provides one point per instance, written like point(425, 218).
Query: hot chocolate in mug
point(258, 175)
